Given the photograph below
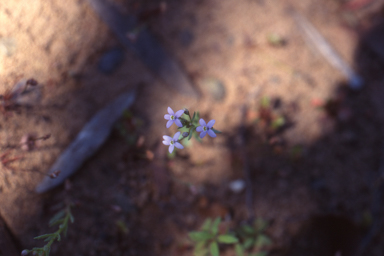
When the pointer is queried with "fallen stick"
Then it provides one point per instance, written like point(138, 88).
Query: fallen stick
point(87, 142)
point(310, 32)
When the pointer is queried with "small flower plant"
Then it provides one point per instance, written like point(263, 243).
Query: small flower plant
point(189, 125)
point(62, 218)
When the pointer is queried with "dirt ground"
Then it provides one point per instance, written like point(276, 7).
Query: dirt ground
point(316, 178)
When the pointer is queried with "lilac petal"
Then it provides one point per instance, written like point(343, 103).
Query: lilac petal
point(179, 113)
point(176, 136)
point(202, 122)
point(169, 123)
point(199, 129)
point(211, 123)
point(167, 138)
point(211, 133)
point(170, 111)
point(203, 134)
point(178, 145)
point(170, 149)
point(167, 116)
point(178, 123)
point(166, 142)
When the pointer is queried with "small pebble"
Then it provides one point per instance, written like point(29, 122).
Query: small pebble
point(214, 87)
point(237, 186)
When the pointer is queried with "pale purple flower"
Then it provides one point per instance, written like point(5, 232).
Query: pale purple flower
point(206, 128)
point(172, 142)
point(173, 117)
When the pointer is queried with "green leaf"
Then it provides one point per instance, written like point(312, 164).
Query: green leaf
point(248, 243)
point(197, 137)
point(47, 250)
point(265, 103)
point(43, 236)
point(194, 114)
point(65, 230)
point(72, 219)
point(216, 131)
point(198, 236)
point(191, 132)
point(278, 122)
point(214, 249)
point(200, 249)
point(260, 254)
point(260, 224)
point(55, 219)
point(215, 225)
point(200, 245)
point(248, 230)
point(239, 250)
point(207, 224)
point(262, 240)
point(201, 252)
point(227, 239)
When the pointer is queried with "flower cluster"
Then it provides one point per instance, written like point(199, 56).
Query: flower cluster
point(184, 121)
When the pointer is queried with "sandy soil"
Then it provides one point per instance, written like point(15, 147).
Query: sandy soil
point(315, 179)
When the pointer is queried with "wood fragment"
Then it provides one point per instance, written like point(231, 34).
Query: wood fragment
point(321, 44)
point(87, 142)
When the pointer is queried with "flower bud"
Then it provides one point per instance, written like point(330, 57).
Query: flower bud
point(24, 252)
point(185, 134)
point(186, 111)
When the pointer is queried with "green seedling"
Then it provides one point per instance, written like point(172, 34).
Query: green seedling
point(62, 219)
point(207, 240)
point(269, 118)
point(252, 239)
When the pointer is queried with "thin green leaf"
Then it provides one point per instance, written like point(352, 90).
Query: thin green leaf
point(248, 230)
point(47, 250)
point(248, 243)
point(58, 237)
point(260, 254)
point(191, 132)
point(215, 225)
point(260, 224)
point(278, 122)
point(265, 103)
point(197, 137)
point(227, 239)
point(198, 236)
point(43, 236)
point(214, 249)
point(71, 218)
point(239, 250)
point(207, 224)
point(194, 114)
point(48, 239)
point(216, 131)
point(201, 252)
point(57, 222)
point(57, 217)
point(200, 245)
point(262, 240)
point(65, 230)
